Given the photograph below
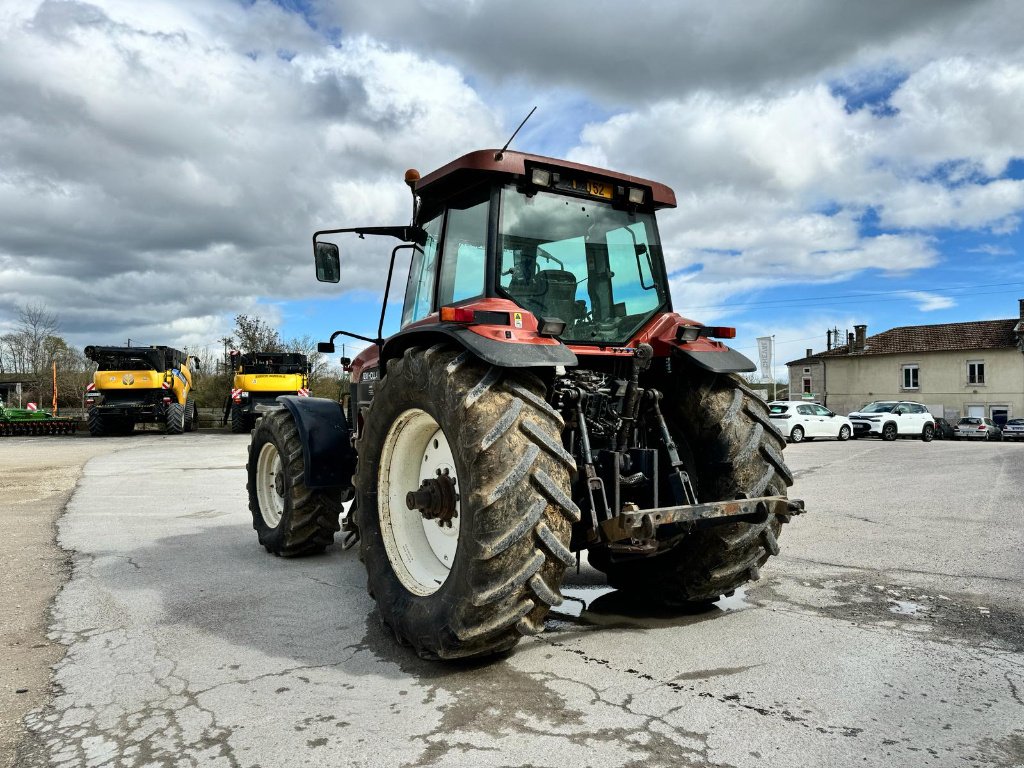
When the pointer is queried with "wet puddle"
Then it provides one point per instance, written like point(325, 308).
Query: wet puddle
point(602, 606)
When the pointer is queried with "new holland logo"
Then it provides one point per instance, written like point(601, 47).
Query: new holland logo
point(127, 379)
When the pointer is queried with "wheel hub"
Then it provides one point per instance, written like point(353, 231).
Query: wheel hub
point(279, 483)
point(435, 499)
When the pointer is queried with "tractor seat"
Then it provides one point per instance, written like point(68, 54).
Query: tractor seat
point(551, 293)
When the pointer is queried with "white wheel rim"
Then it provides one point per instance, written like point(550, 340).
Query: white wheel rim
point(421, 551)
point(269, 485)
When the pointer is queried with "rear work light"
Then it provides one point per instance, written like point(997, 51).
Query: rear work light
point(540, 177)
point(636, 196)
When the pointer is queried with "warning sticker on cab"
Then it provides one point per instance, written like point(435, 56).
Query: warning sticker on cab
point(517, 319)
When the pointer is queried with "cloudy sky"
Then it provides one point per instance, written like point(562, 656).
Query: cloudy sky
point(163, 164)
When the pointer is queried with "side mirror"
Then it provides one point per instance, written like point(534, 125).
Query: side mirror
point(327, 347)
point(345, 362)
point(328, 263)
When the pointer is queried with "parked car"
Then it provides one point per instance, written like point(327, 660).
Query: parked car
point(1014, 430)
point(944, 430)
point(977, 428)
point(890, 419)
point(799, 420)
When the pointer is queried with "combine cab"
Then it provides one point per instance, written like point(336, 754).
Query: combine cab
point(260, 378)
point(541, 399)
point(135, 385)
point(24, 421)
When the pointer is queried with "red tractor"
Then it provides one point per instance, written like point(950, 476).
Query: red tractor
point(540, 399)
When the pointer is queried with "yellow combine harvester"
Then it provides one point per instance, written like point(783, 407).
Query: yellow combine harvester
point(260, 378)
point(140, 384)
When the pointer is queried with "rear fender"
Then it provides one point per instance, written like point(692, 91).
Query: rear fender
point(503, 354)
point(329, 459)
point(721, 360)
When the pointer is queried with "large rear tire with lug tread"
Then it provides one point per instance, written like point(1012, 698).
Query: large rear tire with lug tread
point(97, 424)
point(289, 518)
point(737, 452)
point(239, 421)
point(175, 418)
point(476, 587)
point(190, 415)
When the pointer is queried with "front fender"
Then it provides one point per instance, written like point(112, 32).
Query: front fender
point(329, 459)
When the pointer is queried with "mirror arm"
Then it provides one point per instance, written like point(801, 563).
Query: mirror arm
point(408, 234)
point(336, 334)
point(387, 289)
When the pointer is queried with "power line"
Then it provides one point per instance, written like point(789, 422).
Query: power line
point(857, 297)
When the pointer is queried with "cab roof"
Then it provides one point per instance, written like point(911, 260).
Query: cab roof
point(463, 171)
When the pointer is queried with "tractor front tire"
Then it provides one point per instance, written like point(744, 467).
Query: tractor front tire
point(737, 453)
point(476, 586)
point(289, 518)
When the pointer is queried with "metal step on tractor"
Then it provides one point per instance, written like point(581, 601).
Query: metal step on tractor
point(135, 385)
point(260, 378)
point(26, 421)
point(542, 398)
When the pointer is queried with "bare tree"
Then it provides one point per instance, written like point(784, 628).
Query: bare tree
point(256, 335)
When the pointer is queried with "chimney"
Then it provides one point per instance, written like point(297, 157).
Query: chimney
point(861, 332)
point(1021, 302)
point(810, 352)
point(849, 341)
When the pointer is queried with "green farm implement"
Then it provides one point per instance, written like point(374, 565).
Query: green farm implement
point(22, 421)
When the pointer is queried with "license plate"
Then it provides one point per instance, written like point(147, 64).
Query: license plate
point(590, 187)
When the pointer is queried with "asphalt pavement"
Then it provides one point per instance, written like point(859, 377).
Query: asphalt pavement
point(887, 632)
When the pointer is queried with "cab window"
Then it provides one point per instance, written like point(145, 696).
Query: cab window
point(465, 247)
point(419, 291)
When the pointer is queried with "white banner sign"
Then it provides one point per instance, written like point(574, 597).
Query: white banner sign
point(764, 352)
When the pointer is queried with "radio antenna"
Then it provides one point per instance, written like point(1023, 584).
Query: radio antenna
point(498, 155)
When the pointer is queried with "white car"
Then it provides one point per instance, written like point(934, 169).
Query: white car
point(1013, 429)
point(799, 420)
point(890, 419)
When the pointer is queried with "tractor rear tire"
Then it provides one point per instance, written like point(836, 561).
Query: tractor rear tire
point(737, 453)
point(498, 572)
point(239, 420)
point(289, 518)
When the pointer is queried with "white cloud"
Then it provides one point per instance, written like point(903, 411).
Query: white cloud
point(181, 179)
point(929, 302)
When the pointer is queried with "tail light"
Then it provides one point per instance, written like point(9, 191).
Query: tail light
point(167, 400)
point(457, 315)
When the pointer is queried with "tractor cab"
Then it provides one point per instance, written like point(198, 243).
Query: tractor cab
point(535, 244)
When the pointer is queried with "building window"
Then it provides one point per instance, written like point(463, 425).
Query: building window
point(807, 370)
point(807, 385)
point(975, 372)
point(910, 377)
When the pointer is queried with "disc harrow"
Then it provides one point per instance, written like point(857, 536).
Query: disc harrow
point(22, 422)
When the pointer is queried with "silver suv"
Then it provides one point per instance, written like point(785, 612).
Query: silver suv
point(890, 419)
